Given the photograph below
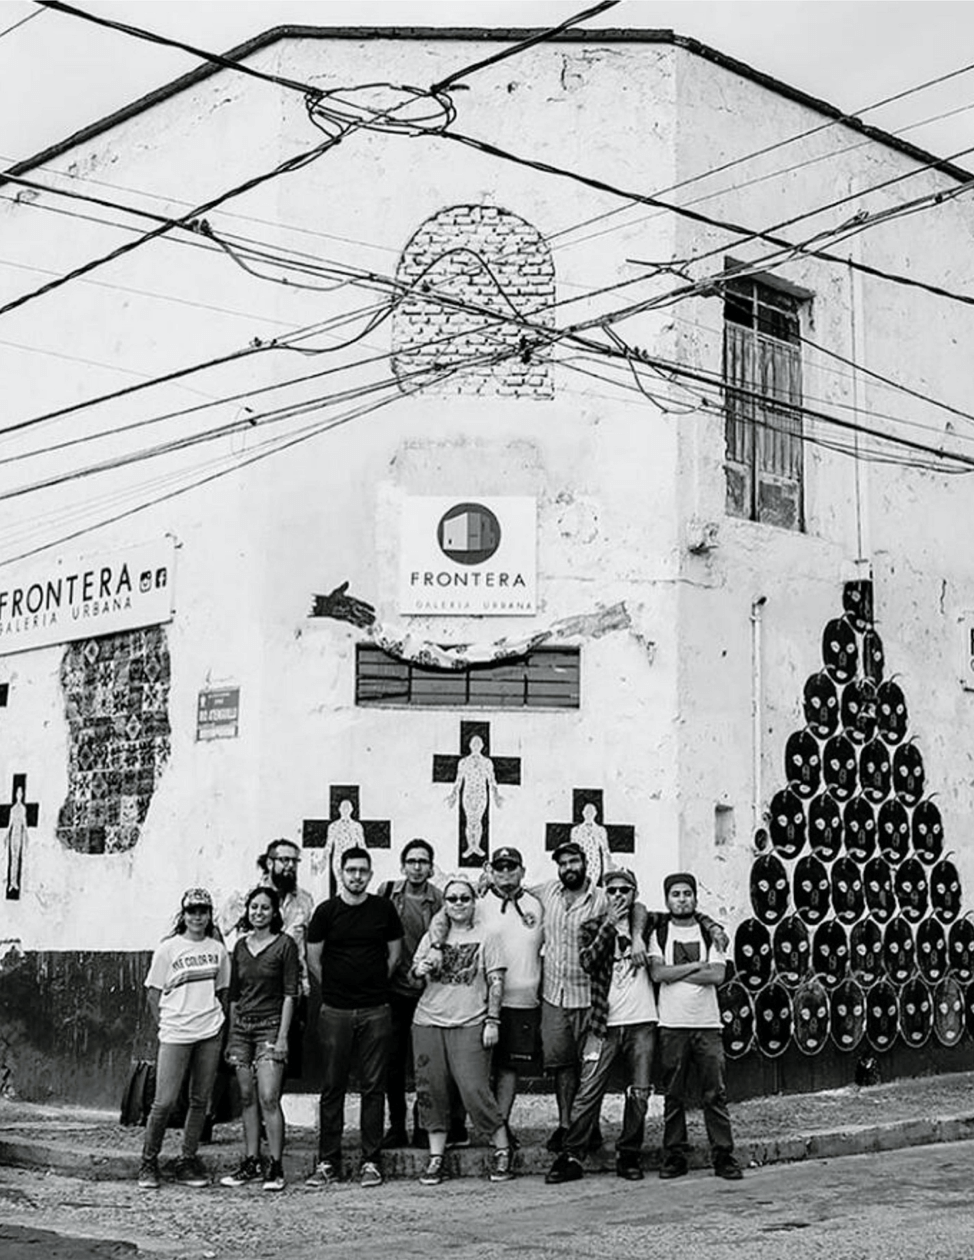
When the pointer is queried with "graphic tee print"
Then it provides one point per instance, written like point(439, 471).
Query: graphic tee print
point(460, 963)
point(457, 994)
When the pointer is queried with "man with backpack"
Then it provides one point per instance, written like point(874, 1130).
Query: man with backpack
point(416, 900)
point(688, 968)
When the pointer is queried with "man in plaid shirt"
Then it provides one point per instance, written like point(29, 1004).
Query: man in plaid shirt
point(622, 1023)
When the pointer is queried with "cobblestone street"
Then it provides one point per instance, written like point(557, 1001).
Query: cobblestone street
point(898, 1205)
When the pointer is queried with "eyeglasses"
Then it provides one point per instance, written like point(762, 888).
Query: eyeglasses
point(620, 890)
point(196, 909)
point(505, 866)
point(458, 899)
point(286, 861)
point(417, 862)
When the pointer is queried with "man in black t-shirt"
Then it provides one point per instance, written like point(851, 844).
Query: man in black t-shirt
point(354, 942)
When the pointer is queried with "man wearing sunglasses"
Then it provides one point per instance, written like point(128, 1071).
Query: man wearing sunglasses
point(622, 1025)
point(516, 917)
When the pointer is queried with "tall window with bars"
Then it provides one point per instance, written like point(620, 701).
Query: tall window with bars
point(762, 399)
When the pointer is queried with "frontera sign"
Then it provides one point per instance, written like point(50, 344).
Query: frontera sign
point(56, 601)
point(468, 557)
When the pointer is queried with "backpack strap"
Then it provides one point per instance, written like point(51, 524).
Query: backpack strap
point(662, 936)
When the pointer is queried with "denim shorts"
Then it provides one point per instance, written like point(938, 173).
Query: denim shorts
point(249, 1044)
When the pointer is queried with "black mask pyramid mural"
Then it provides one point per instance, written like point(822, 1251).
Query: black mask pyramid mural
point(857, 939)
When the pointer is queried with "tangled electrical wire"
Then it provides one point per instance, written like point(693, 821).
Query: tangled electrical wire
point(386, 107)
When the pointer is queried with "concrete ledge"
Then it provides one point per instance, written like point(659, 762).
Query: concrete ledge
point(859, 1140)
point(74, 1160)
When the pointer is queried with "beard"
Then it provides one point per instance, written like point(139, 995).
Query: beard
point(284, 881)
point(572, 880)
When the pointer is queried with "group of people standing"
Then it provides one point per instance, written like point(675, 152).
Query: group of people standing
point(479, 981)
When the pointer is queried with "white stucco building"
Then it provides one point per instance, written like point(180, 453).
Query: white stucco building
point(409, 333)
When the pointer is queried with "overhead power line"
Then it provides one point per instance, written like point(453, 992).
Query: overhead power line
point(283, 168)
point(23, 22)
point(696, 216)
point(854, 117)
point(272, 447)
point(776, 173)
point(540, 38)
point(798, 410)
point(138, 32)
point(397, 290)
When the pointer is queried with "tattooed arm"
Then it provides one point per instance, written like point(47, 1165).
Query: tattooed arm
point(495, 998)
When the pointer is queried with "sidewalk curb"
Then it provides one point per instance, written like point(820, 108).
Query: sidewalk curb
point(76, 1161)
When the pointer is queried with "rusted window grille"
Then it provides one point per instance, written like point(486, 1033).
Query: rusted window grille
point(547, 678)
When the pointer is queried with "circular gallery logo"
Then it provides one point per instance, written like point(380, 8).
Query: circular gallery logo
point(469, 533)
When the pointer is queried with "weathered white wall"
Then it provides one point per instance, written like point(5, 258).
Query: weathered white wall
point(905, 525)
point(621, 488)
point(254, 546)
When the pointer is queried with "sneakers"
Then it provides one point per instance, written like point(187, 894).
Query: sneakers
point(324, 1174)
point(500, 1167)
point(433, 1174)
point(274, 1177)
point(190, 1172)
point(246, 1171)
point(149, 1174)
point(565, 1168)
point(370, 1176)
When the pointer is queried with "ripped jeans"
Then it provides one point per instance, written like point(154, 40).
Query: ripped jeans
point(635, 1043)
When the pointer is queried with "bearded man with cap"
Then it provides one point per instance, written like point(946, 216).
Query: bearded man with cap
point(688, 968)
point(516, 917)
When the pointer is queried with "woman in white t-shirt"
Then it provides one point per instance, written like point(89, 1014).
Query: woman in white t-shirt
point(187, 989)
point(456, 1027)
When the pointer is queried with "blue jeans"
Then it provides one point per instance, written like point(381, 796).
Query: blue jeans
point(200, 1059)
point(634, 1043)
point(679, 1048)
point(364, 1036)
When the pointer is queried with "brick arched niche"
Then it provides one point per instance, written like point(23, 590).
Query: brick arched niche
point(485, 258)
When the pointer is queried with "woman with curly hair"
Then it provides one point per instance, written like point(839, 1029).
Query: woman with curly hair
point(264, 986)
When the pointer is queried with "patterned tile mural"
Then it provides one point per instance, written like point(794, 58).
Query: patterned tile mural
point(116, 698)
point(857, 937)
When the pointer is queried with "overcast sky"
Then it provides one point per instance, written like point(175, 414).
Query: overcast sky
point(58, 73)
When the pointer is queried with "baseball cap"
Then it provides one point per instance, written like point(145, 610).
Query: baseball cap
point(679, 877)
point(197, 897)
point(507, 855)
point(568, 846)
point(620, 876)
